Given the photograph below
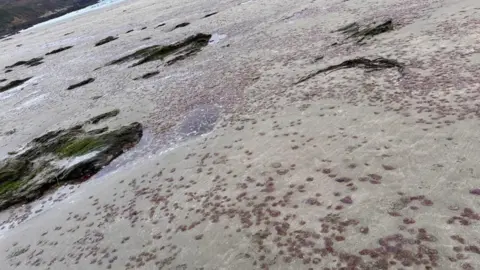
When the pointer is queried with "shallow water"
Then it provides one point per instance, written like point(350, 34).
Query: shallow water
point(99, 5)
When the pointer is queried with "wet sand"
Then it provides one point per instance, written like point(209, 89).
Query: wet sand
point(350, 169)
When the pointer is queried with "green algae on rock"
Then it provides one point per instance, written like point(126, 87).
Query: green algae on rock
point(188, 47)
point(61, 156)
point(79, 147)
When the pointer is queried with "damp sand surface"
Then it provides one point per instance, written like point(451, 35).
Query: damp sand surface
point(252, 156)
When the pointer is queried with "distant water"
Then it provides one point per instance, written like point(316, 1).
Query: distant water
point(100, 4)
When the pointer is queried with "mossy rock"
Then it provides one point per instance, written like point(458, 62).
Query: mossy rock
point(13, 170)
point(10, 187)
point(46, 163)
point(80, 146)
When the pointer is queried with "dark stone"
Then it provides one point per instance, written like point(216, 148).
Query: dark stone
point(82, 83)
point(51, 159)
point(29, 63)
point(181, 25)
point(174, 52)
point(105, 40)
point(61, 49)
point(13, 84)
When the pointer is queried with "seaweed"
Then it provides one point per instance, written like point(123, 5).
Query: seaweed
point(361, 62)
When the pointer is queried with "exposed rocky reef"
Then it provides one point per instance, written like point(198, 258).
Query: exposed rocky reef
point(61, 156)
point(13, 84)
point(168, 53)
point(80, 84)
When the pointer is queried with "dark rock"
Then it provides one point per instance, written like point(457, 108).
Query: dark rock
point(61, 156)
point(103, 116)
point(82, 83)
point(181, 25)
point(160, 25)
point(179, 51)
point(355, 31)
point(61, 49)
point(148, 75)
point(29, 63)
point(105, 40)
point(210, 14)
point(13, 84)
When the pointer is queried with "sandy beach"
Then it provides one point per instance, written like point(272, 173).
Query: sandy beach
point(277, 135)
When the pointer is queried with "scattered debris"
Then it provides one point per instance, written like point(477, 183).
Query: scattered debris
point(82, 83)
point(361, 62)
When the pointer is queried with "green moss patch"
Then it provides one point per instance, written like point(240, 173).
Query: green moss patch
point(10, 186)
point(80, 147)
